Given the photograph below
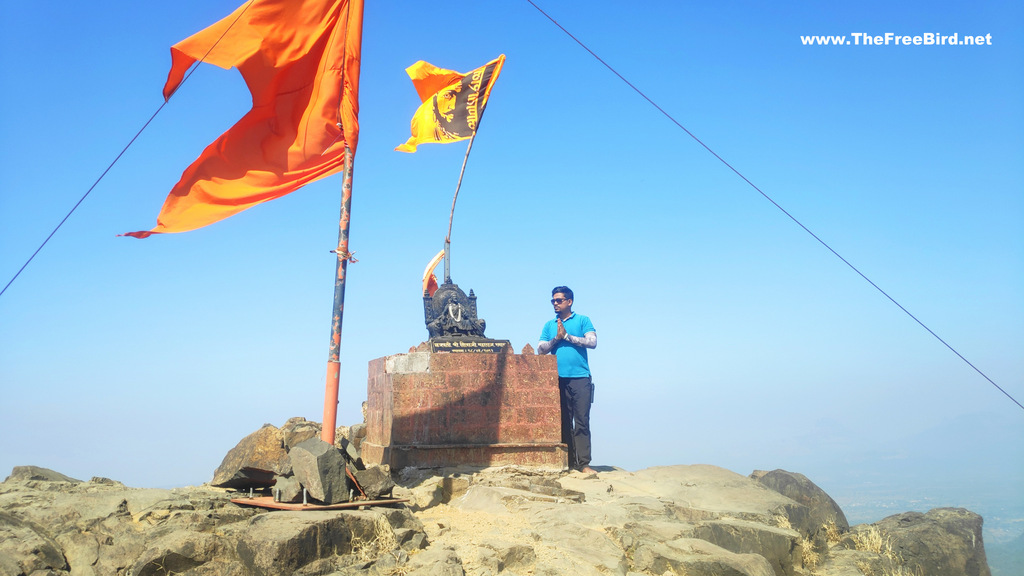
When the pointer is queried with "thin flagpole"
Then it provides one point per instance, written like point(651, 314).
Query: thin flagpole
point(344, 256)
point(451, 216)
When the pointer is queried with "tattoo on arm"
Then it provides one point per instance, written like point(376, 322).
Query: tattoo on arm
point(589, 340)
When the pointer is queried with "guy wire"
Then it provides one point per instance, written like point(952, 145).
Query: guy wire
point(191, 69)
point(776, 204)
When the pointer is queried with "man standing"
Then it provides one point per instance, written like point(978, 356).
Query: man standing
point(568, 337)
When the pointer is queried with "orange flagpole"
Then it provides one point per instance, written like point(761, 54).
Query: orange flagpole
point(348, 112)
point(333, 360)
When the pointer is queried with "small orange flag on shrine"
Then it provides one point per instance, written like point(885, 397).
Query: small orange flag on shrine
point(453, 103)
point(300, 60)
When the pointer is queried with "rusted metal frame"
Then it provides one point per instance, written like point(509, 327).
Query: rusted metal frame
point(268, 502)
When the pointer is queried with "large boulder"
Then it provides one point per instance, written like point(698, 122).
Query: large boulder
point(824, 515)
point(320, 468)
point(255, 461)
point(941, 542)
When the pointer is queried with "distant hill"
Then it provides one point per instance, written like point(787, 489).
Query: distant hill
point(1006, 558)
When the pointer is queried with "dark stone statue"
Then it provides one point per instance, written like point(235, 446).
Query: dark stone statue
point(450, 313)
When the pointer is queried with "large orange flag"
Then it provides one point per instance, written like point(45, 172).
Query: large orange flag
point(300, 60)
point(453, 103)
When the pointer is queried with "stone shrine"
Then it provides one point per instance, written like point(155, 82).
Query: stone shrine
point(436, 407)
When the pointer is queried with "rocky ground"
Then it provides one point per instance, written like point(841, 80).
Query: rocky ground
point(694, 520)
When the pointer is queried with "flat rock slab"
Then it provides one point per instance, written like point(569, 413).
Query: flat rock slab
point(699, 487)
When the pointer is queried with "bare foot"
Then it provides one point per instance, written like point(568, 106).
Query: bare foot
point(588, 470)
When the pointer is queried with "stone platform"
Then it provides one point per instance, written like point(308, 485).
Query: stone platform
point(437, 409)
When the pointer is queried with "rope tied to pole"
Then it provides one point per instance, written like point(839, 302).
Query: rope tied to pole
point(350, 256)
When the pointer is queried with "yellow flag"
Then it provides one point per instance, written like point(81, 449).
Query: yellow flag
point(453, 103)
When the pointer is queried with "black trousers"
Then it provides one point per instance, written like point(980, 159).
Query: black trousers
point(576, 395)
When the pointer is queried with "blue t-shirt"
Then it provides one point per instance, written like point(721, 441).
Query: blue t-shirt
point(572, 359)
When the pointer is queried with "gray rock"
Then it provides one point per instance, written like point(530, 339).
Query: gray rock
point(178, 552)
point(320, 468)
point(99, 528)
point(941, 542)
point(356, 434)
point(410, 539)
point(375, 482)
point(780, 547)
point(25, 473)
point(824, 514)
point(96, 529)
point(453, 487)
point(421, 496)
point(26, 547)
point(279, 543)
point(439, 562)
point(844, 562)
point(297, 430)
point(349, 449)
point(288, 489)
point(255, 461)
point(695, 557)
point(515, 557)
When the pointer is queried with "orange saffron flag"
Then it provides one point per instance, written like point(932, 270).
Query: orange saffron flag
point(453, 103)
point(300, 60)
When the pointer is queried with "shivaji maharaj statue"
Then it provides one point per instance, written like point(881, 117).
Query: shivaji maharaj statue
point(449, 312)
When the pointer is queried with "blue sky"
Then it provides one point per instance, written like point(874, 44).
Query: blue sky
point(728, 335)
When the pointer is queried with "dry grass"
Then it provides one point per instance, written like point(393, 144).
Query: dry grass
point(873, 540)
point(810, 557)
point(384, 535)
point(383, 541)
point(832, 533)
point(782, 521)
point(363, 549)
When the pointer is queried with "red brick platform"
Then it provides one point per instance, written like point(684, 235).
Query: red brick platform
point(430, 410)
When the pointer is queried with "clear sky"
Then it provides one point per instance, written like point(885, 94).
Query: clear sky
point(727, 334)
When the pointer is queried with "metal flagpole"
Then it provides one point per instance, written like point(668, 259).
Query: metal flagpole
point(333, 363)
point(448, 237)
